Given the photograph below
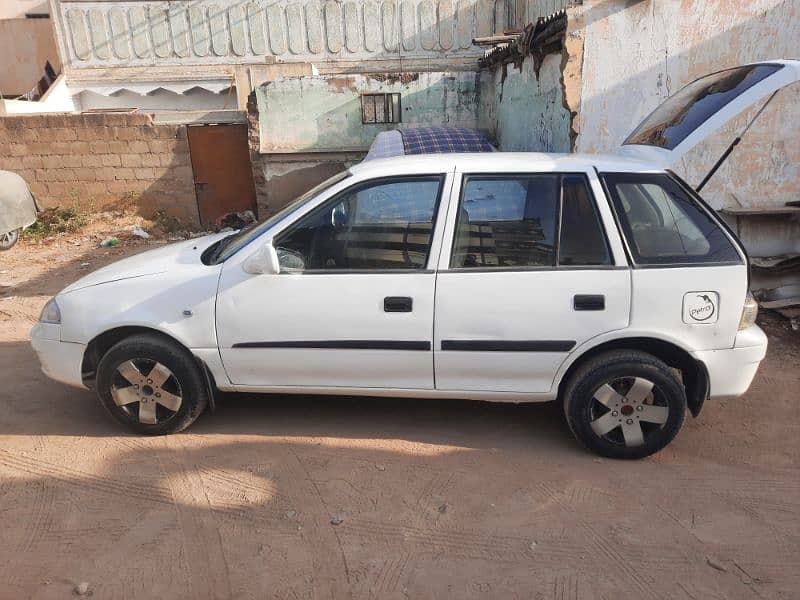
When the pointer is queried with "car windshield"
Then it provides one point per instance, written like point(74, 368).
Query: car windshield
point(227, 247)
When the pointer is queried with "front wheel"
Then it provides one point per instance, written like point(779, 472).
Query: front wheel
point(151, 385)
point(625, 404)
point(9, 240)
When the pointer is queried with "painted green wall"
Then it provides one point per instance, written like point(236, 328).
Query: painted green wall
point(323, 113)
point(526, 112)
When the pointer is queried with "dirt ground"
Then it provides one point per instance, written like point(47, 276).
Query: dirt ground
point(433, 499)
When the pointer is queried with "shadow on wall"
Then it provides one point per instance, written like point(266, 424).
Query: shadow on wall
point(323, 134)
point(680, 42)
point(172, 194)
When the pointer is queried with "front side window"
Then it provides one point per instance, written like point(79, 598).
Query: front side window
point(664, 224)
point(227, 247)
point(528, 221)
point(384, 224)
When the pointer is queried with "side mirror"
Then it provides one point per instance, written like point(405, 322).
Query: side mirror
point(263, 261)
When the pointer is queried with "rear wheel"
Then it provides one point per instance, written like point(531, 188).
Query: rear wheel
point(625, 404)
point(151, 385)
point(9, 240)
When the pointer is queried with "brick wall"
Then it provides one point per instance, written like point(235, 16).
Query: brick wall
point(102, 160)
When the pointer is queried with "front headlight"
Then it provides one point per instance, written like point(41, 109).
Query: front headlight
point(749, 312)
point(50, 313)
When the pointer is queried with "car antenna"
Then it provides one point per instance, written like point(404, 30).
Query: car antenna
point(733, 145)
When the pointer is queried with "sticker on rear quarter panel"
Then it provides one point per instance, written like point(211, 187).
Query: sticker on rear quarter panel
point(700, 308)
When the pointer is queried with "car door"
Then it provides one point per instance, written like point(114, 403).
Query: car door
point(353, 304)
point(527, 275)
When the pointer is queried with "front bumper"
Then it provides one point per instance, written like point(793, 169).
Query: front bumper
point(61, 361)
point(731, 371)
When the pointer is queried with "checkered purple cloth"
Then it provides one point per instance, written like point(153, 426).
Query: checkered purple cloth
point(427, 140)
point(437, 140)
point(386, 145)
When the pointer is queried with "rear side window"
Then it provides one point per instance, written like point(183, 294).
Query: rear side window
point(528, 221)
point(583, 242)
point(508, 221)
point(664, 224)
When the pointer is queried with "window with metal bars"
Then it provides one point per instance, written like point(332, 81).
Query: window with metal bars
point(380, 108)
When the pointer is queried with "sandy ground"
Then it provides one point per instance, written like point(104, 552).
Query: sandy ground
point(434, 499)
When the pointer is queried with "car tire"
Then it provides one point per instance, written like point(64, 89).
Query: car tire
point(625, 404)
point(151, 385)
point(9, 240)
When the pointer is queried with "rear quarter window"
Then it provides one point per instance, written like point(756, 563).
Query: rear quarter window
point(664, 224)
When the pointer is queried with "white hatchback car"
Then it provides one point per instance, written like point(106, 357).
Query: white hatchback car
point(602, 281)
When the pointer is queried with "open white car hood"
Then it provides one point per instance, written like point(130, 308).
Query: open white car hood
point(159, 260)
point(700, 108)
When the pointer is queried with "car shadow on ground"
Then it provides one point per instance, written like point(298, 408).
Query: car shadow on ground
point(35, 405)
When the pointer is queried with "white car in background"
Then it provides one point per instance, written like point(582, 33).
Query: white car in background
point(603, 282)
point(17, 209)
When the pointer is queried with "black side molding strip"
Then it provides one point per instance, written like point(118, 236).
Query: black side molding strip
point(341, 345)
point(509, 346)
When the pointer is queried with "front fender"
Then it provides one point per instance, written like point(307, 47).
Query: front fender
point(179, 303)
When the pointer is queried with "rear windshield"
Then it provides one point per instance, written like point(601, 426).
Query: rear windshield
point(676, 119)
point(664, 224)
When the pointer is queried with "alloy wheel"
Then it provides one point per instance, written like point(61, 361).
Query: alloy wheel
point(7, 240)
point(626, 410)
point(146, 391)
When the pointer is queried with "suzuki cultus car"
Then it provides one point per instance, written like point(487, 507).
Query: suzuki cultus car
point(603, 282)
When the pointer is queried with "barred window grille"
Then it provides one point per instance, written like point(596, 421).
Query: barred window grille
point(380, 108)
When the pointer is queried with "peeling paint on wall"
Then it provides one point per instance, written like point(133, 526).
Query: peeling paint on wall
point(324, 113)
point(526, 112)
point(636, 55)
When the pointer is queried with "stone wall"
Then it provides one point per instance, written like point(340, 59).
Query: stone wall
point(102, 160)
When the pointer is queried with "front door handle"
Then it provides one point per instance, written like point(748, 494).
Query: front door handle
point(397, 304)
point(589, 302)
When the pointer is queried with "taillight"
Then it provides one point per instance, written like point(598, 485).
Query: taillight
point(749, 312)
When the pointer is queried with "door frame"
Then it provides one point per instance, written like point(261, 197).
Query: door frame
point(601, 200)
point(619, 262)
point(233, 275)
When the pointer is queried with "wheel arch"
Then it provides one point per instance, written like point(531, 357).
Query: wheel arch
point(102, 343)
point(693, 372)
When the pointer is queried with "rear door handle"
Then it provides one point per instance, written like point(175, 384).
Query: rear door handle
point(397, 304)
point(589, 302)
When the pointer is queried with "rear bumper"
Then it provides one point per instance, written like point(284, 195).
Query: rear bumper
point(731, 371)
point(61, 361)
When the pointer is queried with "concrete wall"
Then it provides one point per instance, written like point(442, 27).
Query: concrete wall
point(184, 32)
point(323, 114)
point(98, 160)
point(637, 54)
point(159, 100)
point(25, 46)
point(524, 110)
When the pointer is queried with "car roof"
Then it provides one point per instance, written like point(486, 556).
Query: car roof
point(482, 162)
